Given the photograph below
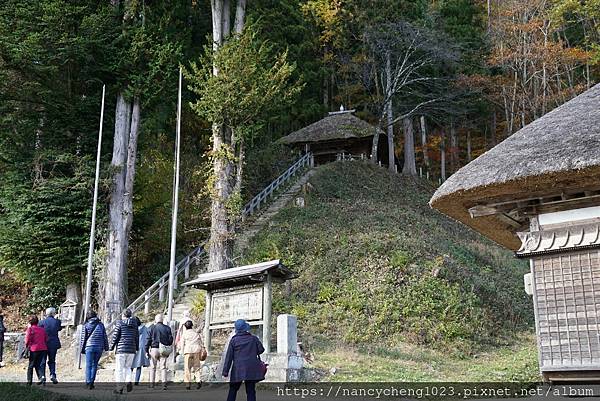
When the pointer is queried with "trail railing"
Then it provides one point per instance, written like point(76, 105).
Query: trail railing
point(258, 200)
point(160, 287)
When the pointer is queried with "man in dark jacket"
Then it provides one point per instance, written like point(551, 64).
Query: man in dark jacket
point(159, 346)
point(125, 343)
point(52, 327)
point(2, 331)
point(242, 357)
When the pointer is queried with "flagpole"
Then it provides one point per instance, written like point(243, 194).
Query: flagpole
point(88, 280)
point(175, 206)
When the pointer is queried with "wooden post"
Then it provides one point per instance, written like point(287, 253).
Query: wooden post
point(186, 271)
point(161, 292)
point(267, 313)
point(208, 307)
point(146, 303)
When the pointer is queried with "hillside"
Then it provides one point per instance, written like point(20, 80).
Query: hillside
point(379, 268)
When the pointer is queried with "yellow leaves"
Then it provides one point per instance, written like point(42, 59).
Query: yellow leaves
point(328, 16)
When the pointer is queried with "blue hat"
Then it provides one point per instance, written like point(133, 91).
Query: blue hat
point(241, 326)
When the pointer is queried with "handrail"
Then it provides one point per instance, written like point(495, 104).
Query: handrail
point(144, 299)
point(275, 184)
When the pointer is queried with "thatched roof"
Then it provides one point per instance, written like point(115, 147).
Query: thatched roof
point(558, 151)
point(343, 125)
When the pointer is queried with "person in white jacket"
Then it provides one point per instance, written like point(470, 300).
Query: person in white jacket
point(192, 348)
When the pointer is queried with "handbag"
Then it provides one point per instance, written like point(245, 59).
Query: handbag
point(25, 353)
point(165, 350)
point(263, 367)
point(203, 354)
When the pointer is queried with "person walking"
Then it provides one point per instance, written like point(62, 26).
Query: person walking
point(192, 348)
point(243, 359)
point(93, 343)
point(159, 346)
point(2, 331)
point(125, 343)
point(52, 327)
point(35, 341)
point(140, 360)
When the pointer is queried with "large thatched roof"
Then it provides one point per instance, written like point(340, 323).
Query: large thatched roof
point(343, 125)
point(558, 151)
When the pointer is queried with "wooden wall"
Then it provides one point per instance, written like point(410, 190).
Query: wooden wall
point(567, 305)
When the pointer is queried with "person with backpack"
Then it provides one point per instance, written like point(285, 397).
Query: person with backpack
point(93, 343)
point(35, 342)
point(2, 331)
point(125, 343)
point(242, 358)
point(158, 347)
point(140, 360)
point(194, 353)
point(52, 327)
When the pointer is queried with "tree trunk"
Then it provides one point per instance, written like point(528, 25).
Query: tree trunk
point(375, 147)
point(237, 188)
point(129, 180)
point(410, 166)
point(493, 129)
point(424, 142)
point(468, 146)
point(453, 148)
point(220, 250)
point(114, 282)
point(220, 244)
point(226, 19)
point(443, 156)
point(240, 13)
point(390, 114)
point(74, 294)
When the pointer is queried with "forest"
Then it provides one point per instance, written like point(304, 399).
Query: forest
point(446, 80)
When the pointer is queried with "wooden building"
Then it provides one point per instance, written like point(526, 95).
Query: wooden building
point(538, 193)
point(341, 132)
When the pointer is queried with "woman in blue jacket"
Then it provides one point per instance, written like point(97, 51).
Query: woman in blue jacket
point(242, 358)
point(93, 343)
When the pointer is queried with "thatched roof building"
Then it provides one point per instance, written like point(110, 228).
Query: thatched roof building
point(339, 132)
point(551, 164)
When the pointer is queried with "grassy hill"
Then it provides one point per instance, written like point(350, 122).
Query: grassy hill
point(379, 269)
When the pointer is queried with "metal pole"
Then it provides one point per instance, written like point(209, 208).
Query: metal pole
point(175, 205)
point(88, 281)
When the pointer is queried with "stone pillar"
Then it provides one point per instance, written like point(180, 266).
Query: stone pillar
point(267, 313)
point(287, 334)
point(208, 307)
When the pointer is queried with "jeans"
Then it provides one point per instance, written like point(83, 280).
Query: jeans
point(92, 357)
point(250, 390)
point(35, 362)
point(123, 369)
point(1, 349)
point(138, 374)
point(51, 358)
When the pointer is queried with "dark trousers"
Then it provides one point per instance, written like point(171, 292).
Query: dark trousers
point(250, 390)
point(1, 349)
point(50, 357)
point(35, 362)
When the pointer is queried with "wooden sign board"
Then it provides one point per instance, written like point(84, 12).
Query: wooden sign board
point(227, 307)
point(68, 313)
